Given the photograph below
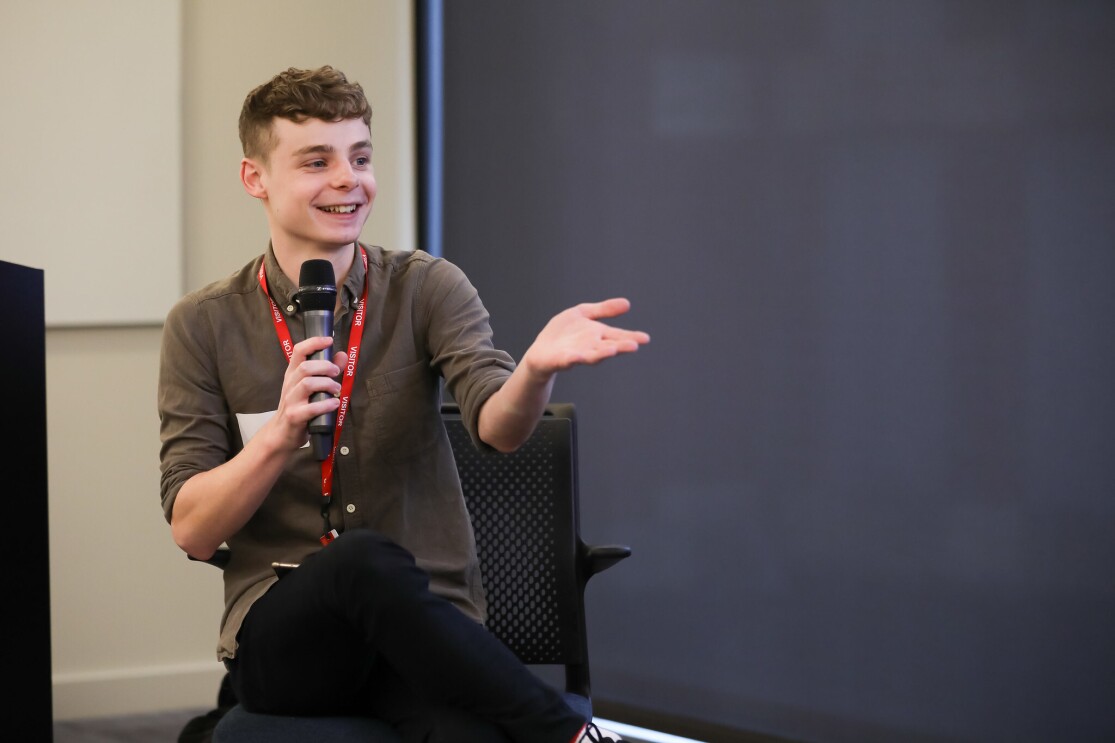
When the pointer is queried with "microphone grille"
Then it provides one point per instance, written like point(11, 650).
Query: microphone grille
point(316, 272)
point(317, 286)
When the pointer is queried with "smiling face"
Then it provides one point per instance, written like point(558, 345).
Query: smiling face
point(317, 185)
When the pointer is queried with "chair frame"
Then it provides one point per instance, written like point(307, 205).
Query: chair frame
point(541, 476)
point(528, 501)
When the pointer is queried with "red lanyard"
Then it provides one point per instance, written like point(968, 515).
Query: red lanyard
point(356, 335)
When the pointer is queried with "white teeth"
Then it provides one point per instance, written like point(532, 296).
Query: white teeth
point(349, 209)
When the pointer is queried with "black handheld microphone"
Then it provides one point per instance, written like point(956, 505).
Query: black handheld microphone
point(316, 298)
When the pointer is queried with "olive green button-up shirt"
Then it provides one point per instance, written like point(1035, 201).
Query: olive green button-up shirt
point(221, 373)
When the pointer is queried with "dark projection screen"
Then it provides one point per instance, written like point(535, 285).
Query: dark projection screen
point(867, 463)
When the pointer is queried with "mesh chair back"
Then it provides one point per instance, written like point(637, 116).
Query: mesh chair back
point(524, 513)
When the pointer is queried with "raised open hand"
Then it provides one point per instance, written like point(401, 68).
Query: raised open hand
point(577, 336)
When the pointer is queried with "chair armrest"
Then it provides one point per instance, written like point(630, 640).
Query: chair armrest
point(598, 558)
point(219, 558)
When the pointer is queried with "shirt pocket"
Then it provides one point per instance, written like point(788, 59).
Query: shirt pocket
point(402, 407)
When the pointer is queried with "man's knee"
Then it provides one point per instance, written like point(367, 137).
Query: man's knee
point(365, 544)
point(372, 557)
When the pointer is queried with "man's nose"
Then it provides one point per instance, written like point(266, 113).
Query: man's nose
point(344, 176)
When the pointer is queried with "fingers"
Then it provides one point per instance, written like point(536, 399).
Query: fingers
point(306, 376)
point(607, 347)
point(613, 308)
point(307, 348)
point(629, 343)
point(303, 352)
point(608, 308)
point(625, 340)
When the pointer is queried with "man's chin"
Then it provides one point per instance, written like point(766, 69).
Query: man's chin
point(338, 241)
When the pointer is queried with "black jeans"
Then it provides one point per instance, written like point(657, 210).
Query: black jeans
point(356, 631)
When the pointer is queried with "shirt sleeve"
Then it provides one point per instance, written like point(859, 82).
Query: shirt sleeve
point(193, 412)
point(460, 341)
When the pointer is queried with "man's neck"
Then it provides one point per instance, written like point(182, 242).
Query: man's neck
point(290, 260)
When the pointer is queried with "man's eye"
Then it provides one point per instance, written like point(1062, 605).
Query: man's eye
point(363, 161)
point(316, 164)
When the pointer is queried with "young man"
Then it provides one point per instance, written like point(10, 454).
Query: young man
point(382, 618)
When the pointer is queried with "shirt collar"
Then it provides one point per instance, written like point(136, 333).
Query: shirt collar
point(353, 287)
point(282, 289)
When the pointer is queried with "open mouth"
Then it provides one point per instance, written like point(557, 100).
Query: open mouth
point(346, 209)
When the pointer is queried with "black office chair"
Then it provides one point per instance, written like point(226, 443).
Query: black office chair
point(525, 513)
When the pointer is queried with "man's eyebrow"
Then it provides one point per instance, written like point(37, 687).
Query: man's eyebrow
point(328, 149)
point(322, 149)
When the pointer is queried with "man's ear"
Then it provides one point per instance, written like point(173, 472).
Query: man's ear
point(251, 175)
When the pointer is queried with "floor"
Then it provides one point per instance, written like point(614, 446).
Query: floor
point(154, 728)
point(164, 727)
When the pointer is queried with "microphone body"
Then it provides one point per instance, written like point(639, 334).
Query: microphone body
point(316, 298)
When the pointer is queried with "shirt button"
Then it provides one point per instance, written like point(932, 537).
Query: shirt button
point(344, 450)
point(351, 508)
point(290, 309)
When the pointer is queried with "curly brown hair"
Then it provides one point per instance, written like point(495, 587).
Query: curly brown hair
point(297, 95)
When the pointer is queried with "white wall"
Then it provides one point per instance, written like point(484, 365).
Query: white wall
point(133, 622)
point(90, 142)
